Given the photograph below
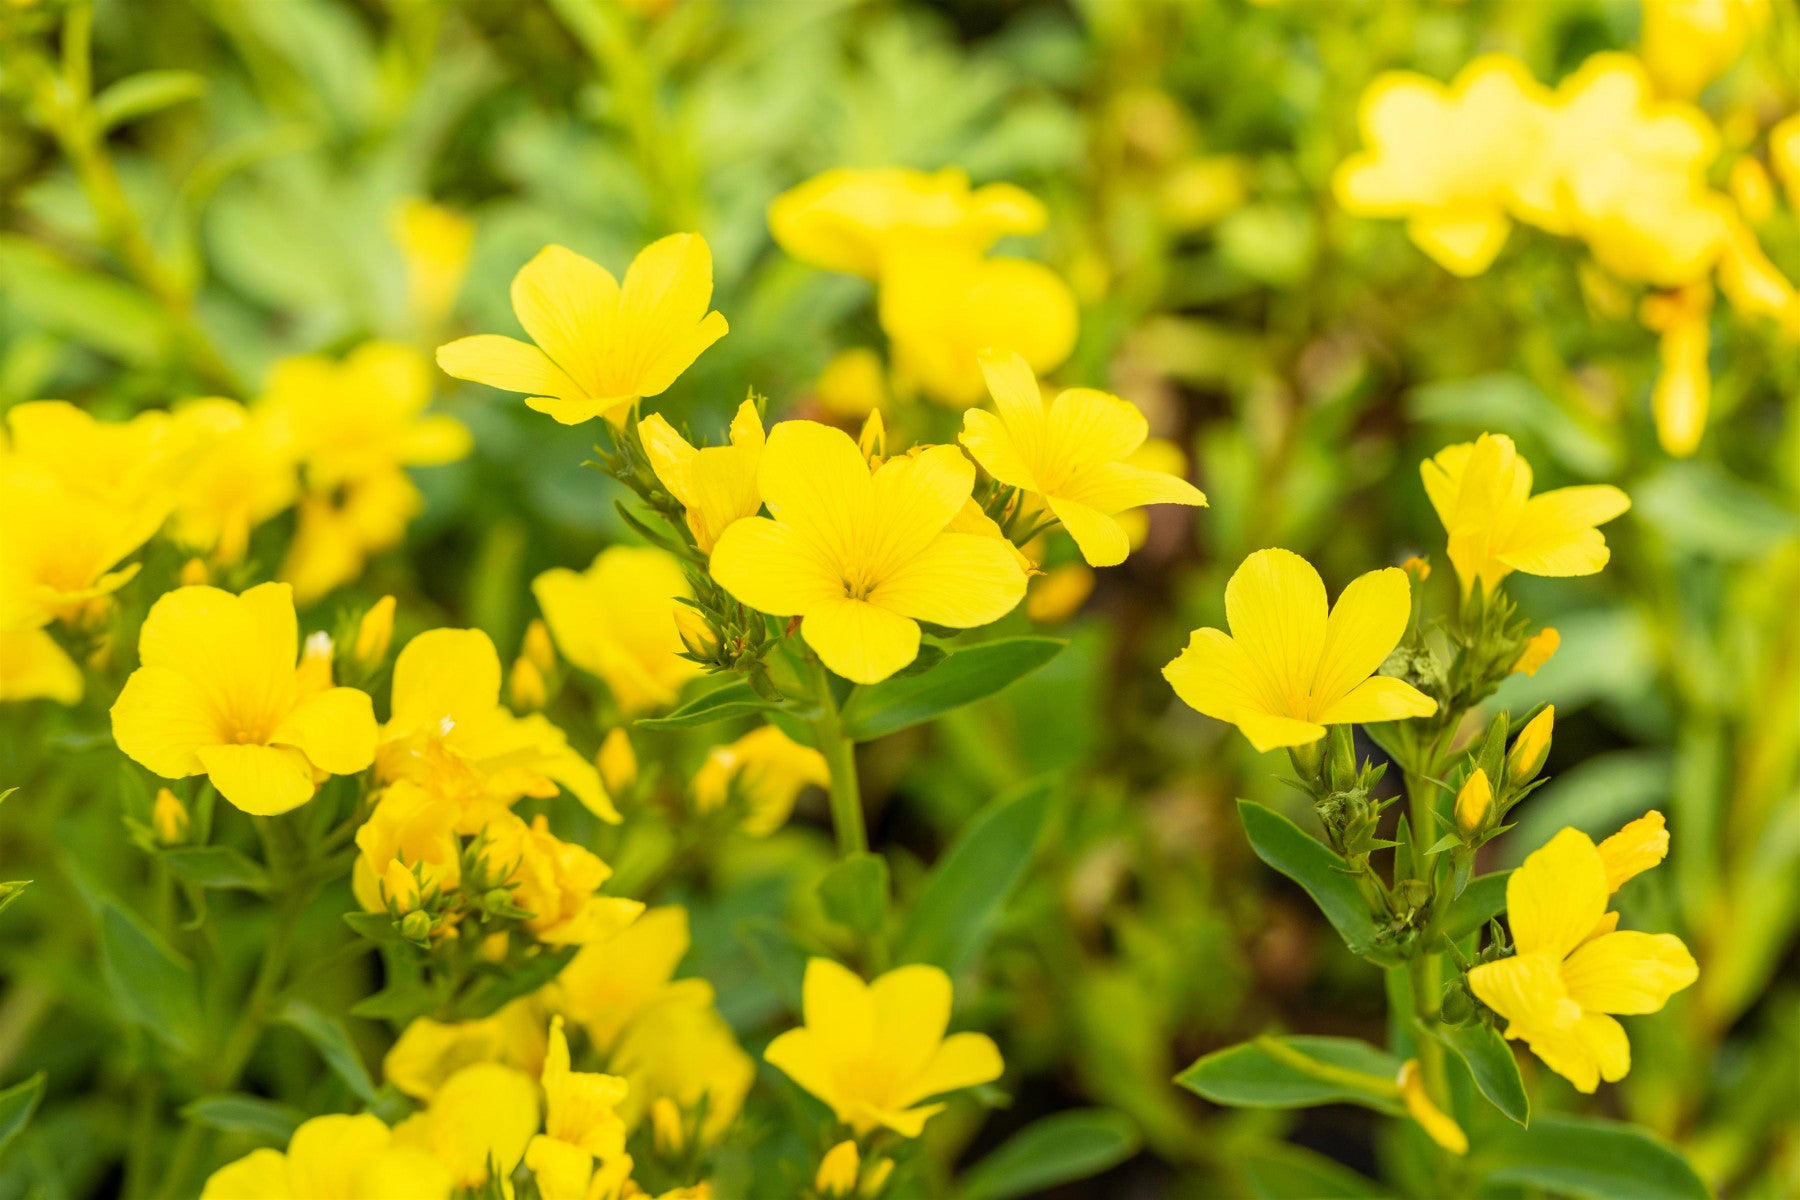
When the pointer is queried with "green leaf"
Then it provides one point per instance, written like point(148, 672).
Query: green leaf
point(1588, 1158)
point(1490, 1060)
point(854, 892)
point(1507, 401)
point(332, 1041)
point(17, 1103)
point(496, 986)
point(963, 896)
point(400, 1001)
point(964, 677)
point(216, 867)
point(1480, 902)
point(1312, 864)
point(780, 958)
point(1279, 1171)
point(1704, 510)
point(736, 699)
point(153, 985)
point(11, 890)
point(232, 1112)
point(144, 93)
point(1297, 1072)
point(99, 312)
point(1052, 1151)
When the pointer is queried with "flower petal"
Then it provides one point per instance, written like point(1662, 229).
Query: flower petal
point(334, 728)
point(1275, 605)
point(1115, 487)
point(33, 666)
point(860, 641)
point(261, 780)
point(162, 718)
point(911, 499)
point(1526, 989)
point(1214, 676)
point(991, 443)
point(1269, 732)
point(443, 676)
point(1102, 541)
point(570, 307)
point(1379, 698)
point(508, 364)
point(839, 1010)
point(1555, 535)
point(963, 1060)
point(912, 1010)
point(801, 1056)
point(663, 322)
point(1556, 898)
point(1640, 845)
point(1365, 625)
point(814, 479)
point(960, 579)
point(773, 568)
point(1629, 972)
point(1088, 427)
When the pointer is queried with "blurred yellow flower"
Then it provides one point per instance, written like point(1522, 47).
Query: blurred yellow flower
point(414, 829)
point(1071, 453)
point(1059, 593)
point(131, 464)
point(450, 733)
point(617, 762)
point(484, 1114)
point(581, 1124)
point(1288, 669)
point(34, 667)
point(435, 243)
point(616, 620)
point(1538, 651)
point(1683, 389)
point(219, 694)
point(874, 1051)
point(242, 473)
point(853, 383)
point(1482, 493)
point(337, 1156)
point(1572, 967)
point(612, 979)
point(338, 531)
point(1689, 43)
point(557, 882)
point(766, 770)
point(429, 1052)
point(715, 484)
point(679, 1049)
point(61, 548)
point(598, 344)
point(169, 817)
point(862, 557)
point(838, 1170)
point(1446, 158)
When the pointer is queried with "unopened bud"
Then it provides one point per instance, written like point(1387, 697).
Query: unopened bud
point(875, 1179)
point(873, 442)
point(315, 663)
point(538, 646)
point(1474, 801)
point(527, 686)
point(415, 926)
point(194, 573)
point(617, 762)
point(1531, 748)
point(1537, 651)
point(667, 1127)
point(374, 632)
point(695, 633)
point(838, 1170)
point(1418, 568)
point(169, 817)
point(400, 887)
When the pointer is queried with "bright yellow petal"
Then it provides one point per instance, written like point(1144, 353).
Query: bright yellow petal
point(326, 1154)
point(1115, 487)
point(911, 500)
point(444, 675)
point(1017, 441)
point(1464, 242)
point(259, 1175)
point(912, 1010)
point(663, 322)
point(814, 479)
point(240, 649)
point(1269, 732)
point(991, 444)
point(1088, 427)
point(907, 1123)
point(574, 411)
point(1365, 625)
point(1379, 698)
point(860, 641)
point(1102, 541)
point(1526, 989)
point(483, 1112)
point(508, 364)
point(963, 1060)
point(960, 580)
point(1556, 535)
point(1275, 605)
point(671, 456)
point(1432, 1119)
point(263, 781)
point(334, 728)
point(404, 1173)
point(839, 1010)
point(773, 568)
point(162, 718)
point(1557, 896)
point(33, 666)
point(801, 1056)
point(570, 307)
point(1215, 677)
point(1640, 845)
point(1629, 972)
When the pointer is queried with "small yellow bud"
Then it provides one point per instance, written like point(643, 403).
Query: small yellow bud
point(494, 946)
point(1537, 651)
point(873, 440)
point(838, 1170)
point(400, 887)
point(617, 762)
point(1418, 568)
point(1060, 594)
point(695, 633)
point(538, 646)
point(194, 573)
point(1198, 191)
point(876, 1177)
point(1531, 748)
point(1752, 189)
point(527, 685)
point(1473, 801)
point(667, 1127)
point(314, 673)
point(374, 632)
point(852, 383)
point(1441, 1129)
point(169, 817)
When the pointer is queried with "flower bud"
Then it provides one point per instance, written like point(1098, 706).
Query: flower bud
point(169, 817)
point(1530, 748)
point(873, 439)
point(315, 663)
point(667, 1128)
point(1418, 568)
point(374, 632)
point(194, 573)
point(400, 887)
point(1537, 651)
point(415, 926)
point(617, 762)
point(695, 633)
point(527, 686)
point(538, 646)
point(876, 1177)
point(1474, 801)
point(838, 1170)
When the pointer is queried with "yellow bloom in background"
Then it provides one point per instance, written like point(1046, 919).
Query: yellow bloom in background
point(243, 472)
point(715, 484)
point(414, 829)
point(1482, 493)
point(611, 980)
point(131, 464)
point(337, 532)
point(485, 1113)
point(450, 733)
point(337, 1156)
point(34, 667)
point(617, 762)
point(1574, 969)
point(556, 881)
point(1288, 668)
point(853, 384)
point(1445, 158)
point(838, 1170)
point(1437, 1124)
point(1059, 593)
point(1539, 650)
point(616, 620)
point(680, 1050)
point(1683, 389)
point(767, 770)
point(874, 1052)
point(863, 556)
point(219, 694)
point(598, 344)
point(860, 220)
point(1689, 43)
point(169, 818)
point(581, 1123)
point(435, 242)
point(429, 1052)
point(1071, 453)
point(61, 548)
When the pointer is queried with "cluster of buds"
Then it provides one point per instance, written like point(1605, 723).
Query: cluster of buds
point(1500, 776)
point(1491, 640)
point(720, 634)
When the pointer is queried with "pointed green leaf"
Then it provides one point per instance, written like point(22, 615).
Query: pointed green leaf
point(215, 867)
point(963, 677)
point(1297, 1072)
point(1313, 865)
point(1052, 1151)
point(147, 92)
point(265, 1120)
point(1589, 1158)
point(1482, 900)
point(854, 892)
point(1490, 1060)
point(332, 1041)
point(737, 699)
point(17, 1103)
point(153, 985)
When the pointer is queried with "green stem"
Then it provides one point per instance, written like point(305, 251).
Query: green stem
point(1425, 972)
point(840, 759)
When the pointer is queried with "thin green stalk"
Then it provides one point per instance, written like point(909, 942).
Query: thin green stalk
point(840, 759)
point(1425, 972)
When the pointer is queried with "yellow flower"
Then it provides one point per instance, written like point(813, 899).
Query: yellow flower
point(1445, 158)
point(1531, 748)
point(1287, 669)
point(1573, 967)
point(242, 473)
point(374, 630)
point(34, 667)
point(1538, 651)
point(483, 1113)
point(599, 345)
point(362, 416)
point(581, 1122)
point(1482, 493)
point(678, 1048)
point(1473, 800)
point(60, 548)
point(611, 980)
point(616, 621)
point(429, 1052)
point(1689, 43)
point(538, 647)
point(1060, 593)
point(874, 1052)
point(411, 828)
point(131, 464)
point(617, 762)
point(862, 557)
point(1784, 156)
point(1432, 1119)
point(861, 221)
point(715, 484)
point(450, 733)
point(219, 694)
point(336, 1156)
point(556, 881)
point(1071, 453)
point(853, 383)
point(525, 685)
point(169, 817)
point(337, 532)
point(435, 243)
point(767, 770)
point(838, 1170)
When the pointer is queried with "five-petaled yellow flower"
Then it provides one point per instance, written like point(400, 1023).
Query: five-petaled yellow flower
point(219, 693)
point(617, 620)
point(1288, 669)
point(715, 484)
point(863, 556)
point(599, 344)
point(876, 1051)
point(1071, 452)
point(1482, 493)
point(1573, 966)
point(357, 1157)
